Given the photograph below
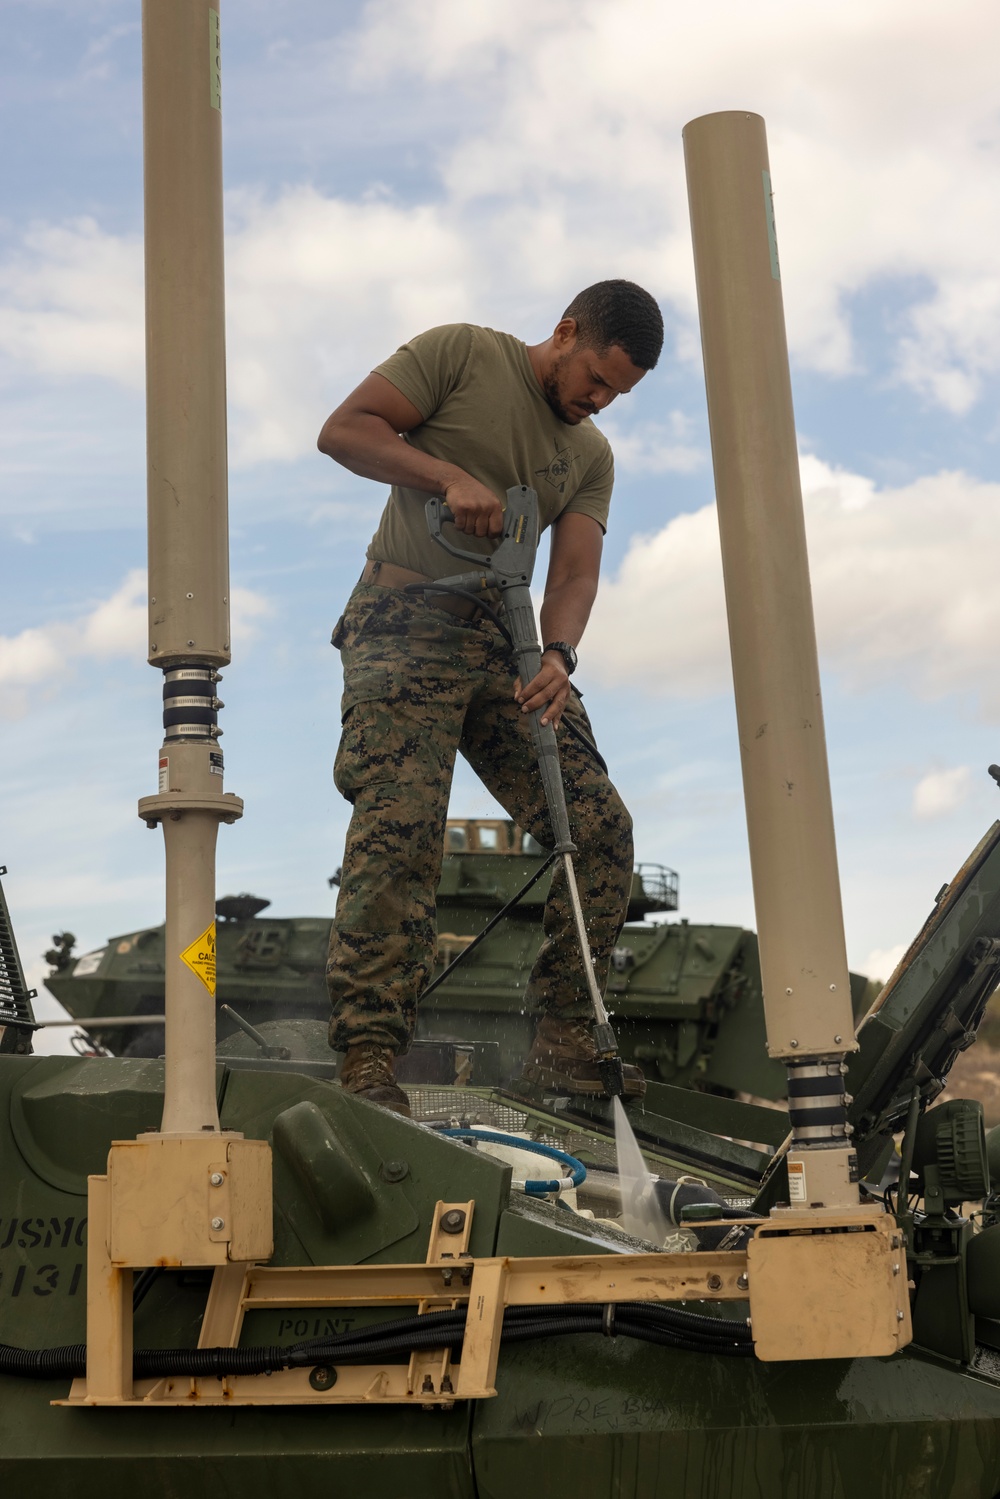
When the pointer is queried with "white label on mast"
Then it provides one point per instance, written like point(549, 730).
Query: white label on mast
point(214, 60)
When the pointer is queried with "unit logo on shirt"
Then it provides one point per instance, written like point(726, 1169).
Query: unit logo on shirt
point(558, 470)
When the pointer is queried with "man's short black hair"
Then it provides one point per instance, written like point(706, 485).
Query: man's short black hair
point(619, 313)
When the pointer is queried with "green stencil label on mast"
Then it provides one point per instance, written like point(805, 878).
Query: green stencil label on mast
point(214, 60)
point(772, 238)
point(200, 958)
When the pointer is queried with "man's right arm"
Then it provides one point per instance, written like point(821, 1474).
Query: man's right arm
point(363, 435)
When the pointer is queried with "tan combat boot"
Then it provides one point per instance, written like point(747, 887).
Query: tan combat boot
point(563, 1059)
point(369, 1071)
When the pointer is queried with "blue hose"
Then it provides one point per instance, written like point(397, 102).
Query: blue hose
point(532, 1188)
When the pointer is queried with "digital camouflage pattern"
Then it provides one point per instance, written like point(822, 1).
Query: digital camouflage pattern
point(419, 685)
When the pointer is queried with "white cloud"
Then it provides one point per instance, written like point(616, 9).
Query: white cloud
point(565, 163)
point(881, 961)
point(319, 290)
point(882, 125)
point(45, 655)
point(654, 447)
point(247, 611)
point(661, 619)
point(27, 658)
point(71, 302)
point(903, 579)
point(116, 627)
point(941, 791)
point(954, 340)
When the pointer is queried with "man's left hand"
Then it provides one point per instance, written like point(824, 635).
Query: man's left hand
point(550, 689)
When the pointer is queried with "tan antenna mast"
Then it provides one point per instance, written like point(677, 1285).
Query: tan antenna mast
point(188, 518)
point(188, 1194)
point(793, 854)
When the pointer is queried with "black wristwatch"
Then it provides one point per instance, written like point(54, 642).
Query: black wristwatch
point(566, 652)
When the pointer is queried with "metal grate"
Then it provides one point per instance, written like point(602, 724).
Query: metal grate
point(15, 997)
point(594, 1148)
point(462, 1106)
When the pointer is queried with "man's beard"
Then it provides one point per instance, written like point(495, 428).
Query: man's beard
point(550, 387)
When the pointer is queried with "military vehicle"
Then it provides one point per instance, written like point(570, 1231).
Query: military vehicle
point(226, 1275)
point(686, 996)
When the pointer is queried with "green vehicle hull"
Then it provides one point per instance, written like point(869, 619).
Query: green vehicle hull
point(586, 1415)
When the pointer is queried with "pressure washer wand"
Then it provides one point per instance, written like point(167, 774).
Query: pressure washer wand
point(509, 570)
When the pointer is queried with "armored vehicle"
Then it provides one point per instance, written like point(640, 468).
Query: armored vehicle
point(613, 1394)
point(686, 996)
point(222, 1274)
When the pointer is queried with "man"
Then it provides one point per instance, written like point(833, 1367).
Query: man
point(466, 412)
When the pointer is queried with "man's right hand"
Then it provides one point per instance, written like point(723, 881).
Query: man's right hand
point(363, 434)
point(477, 510)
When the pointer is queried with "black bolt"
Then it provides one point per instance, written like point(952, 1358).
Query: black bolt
point(323, 1377)
point(453, 1221)
point(394, 1171)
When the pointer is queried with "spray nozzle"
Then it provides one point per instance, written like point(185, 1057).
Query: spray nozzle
point(612, 1075)
point(609, 1063)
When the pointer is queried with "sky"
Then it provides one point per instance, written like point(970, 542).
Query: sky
point(390, 166)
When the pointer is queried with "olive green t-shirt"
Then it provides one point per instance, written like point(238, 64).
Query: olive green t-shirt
point(483, 410)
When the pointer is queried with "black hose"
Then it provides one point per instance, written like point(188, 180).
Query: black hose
point(585, 740)
point(143, 1284)
point(493, 921)
point(156, 1363)
point(649, 1322)
point(43, 1363)
point(464, 593)
point(693, 1321)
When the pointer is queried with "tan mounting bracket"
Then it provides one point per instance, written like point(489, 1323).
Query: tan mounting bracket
point(848, 1270)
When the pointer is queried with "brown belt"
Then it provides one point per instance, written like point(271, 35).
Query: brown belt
point(388, 575)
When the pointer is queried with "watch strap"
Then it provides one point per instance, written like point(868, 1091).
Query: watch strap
point(566, 651)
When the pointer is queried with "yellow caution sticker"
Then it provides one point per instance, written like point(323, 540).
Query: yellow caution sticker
point(200, 958)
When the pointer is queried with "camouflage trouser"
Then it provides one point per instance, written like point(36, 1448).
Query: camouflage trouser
point(419, 684)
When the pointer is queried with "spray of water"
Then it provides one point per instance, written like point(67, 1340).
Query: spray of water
point(642, 1215)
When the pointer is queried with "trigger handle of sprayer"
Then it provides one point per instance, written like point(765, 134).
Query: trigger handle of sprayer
point(513, 557)
point(438, 514)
